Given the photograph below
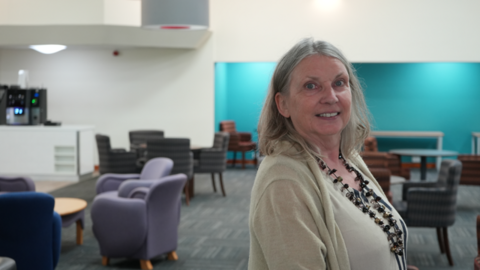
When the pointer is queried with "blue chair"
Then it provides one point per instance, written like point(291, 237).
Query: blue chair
point(30, 231)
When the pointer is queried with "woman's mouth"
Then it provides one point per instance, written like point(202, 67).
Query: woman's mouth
point(328, 114)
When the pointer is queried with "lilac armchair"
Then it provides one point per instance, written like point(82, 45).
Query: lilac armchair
point(154, 169)
point(141, 222)
point(14, 184)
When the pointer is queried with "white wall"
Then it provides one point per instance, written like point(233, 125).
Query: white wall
point(365, 30)
point(122, 12)
point(38, 12)
point(166, 89)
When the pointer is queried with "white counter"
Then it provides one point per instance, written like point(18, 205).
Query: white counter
point(64, 153)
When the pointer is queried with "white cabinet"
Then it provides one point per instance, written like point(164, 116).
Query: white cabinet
point(47, 152)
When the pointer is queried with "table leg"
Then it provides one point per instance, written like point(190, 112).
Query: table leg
point(79, 233)
point(423, 168)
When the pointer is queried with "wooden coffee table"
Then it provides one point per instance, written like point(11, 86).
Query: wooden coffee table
point(72, 210)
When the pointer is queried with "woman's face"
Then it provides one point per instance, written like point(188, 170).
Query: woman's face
point(319, 98)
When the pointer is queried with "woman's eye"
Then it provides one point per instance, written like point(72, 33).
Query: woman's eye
point(339, 83)
point(310, 86)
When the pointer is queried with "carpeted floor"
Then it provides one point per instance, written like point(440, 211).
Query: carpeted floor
point(213, 231)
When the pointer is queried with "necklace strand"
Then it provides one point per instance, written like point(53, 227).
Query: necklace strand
point(390, 226)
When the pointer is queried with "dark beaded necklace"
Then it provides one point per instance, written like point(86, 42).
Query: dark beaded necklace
point(374, 202)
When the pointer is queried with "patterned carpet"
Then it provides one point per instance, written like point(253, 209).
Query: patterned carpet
point(214, 234)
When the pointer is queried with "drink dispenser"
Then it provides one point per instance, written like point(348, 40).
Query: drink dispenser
point(26, 106)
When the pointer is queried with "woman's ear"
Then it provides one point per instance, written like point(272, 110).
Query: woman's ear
point(282, 107)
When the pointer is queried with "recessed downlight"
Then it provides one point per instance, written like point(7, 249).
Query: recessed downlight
point(48, 48)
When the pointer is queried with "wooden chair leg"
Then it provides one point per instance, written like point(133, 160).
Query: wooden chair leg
point(243, 160)
point(234, 158)
point(192, 187)
point(447, 248)
point(105, 260)
point(221, 184)
point(172, 256)
point(146, 265)
point(79, 233)
point(213, 183)
point(440, 240)
point(187, 195)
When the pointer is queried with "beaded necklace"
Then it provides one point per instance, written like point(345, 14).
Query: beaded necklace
point(391, 229)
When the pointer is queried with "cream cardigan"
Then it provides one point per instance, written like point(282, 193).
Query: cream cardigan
point(309, 238)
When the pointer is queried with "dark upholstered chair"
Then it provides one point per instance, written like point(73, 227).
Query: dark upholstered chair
point(114, 160)
point(476, 261)
point(377, 163)
point(30, 231)
point(178, 150)
point(139, 138)
point(433, 204)
point(239, 141)
point(154, 169)
point(13, 184)
point(394, 164)
point(141, 222)
point(471, 169)
point(213, 160)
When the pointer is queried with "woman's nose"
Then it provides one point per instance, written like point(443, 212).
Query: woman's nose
point(329, 95)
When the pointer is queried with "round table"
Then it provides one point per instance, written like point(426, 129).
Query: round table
point(71, 210)
point(423, 154)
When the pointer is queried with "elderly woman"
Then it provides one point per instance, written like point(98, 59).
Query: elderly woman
point(315, 204)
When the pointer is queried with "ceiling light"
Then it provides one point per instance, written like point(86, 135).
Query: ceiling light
point(48, 48)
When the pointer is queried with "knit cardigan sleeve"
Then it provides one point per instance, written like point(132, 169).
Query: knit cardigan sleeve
point(291, 219)
point(284, 227)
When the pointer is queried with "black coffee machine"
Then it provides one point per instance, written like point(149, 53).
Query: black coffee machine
point(24, 106)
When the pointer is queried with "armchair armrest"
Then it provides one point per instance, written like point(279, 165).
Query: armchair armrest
point(430, 207)
point(245, 136)
point(119, 224)
point(407, 186)
point(128, 186)
point(139, 193)
point(112, 181)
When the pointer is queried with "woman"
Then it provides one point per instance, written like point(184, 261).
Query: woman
point(315, 205)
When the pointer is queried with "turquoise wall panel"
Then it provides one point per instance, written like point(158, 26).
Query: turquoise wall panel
point(401, 96)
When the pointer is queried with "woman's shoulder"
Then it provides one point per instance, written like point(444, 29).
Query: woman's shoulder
point(282, 172)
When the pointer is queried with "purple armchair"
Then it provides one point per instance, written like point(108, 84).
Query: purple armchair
point(154, 169)
point(13, 184)
point(141, 222)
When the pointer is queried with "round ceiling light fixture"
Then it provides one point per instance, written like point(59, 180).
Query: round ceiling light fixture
point(48, 48)
point(175, 14)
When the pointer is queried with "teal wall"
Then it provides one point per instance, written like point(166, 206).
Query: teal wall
point(401, 96)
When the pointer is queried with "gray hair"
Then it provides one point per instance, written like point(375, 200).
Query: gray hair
point(274, 128)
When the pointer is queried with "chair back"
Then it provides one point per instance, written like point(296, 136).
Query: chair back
point(221, 141)
point(30, 230)
point(103, 144)
point(470, 169)
point(138, 137)
point(156, 168)
point(370, 144)
point(163, 213)
point(177, 149)
point(228, 126)
point(13, 184)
